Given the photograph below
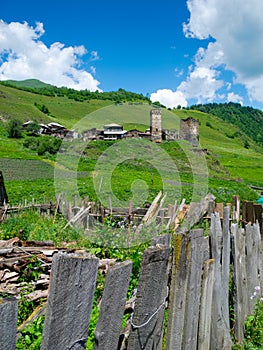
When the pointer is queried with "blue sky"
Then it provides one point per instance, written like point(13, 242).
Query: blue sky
point(175, 51)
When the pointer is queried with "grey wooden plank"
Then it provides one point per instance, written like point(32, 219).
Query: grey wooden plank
point(253, 257)
point(194, 290)
point(147, 321)
point(162, 239)
point(204, 330)
point(8, 322)
point(220, 336)
point(178, 288)
point(70, 302)
point(225, 275)
point(112, 306)
point(239, 280)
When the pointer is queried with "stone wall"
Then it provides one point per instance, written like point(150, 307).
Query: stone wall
point(189, 130)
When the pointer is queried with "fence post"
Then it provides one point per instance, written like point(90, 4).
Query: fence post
point(239, 280)
point(147, 321)
point(178, 287)
point(70, 302)
point(8, 322)
point(112, 306)
point(220, 332)
point(225, 274)
point(236, 208)
point(193, 295)
point(253, 262)
point(204, 332)
point(258, 215)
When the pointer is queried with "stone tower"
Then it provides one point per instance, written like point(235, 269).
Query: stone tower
point(156, 125)
point(189, 130)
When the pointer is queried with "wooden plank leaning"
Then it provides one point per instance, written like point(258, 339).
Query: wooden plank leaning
point(112, 306)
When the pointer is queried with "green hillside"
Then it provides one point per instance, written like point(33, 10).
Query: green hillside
point(28, 83)
point(234, 160)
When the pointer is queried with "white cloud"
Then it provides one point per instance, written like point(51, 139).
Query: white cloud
point(23, 56)
point(94, 56)
point(232, 97)
point(237, 30)
point(169, 98)
point(201, 84)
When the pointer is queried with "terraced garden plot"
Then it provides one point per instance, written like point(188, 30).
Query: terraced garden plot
point(31, 169)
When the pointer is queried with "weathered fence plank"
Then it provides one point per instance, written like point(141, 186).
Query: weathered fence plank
point(195, 213)
point(204, 331)
point(253, 262)
point(240, 281)
point(8, 318)
point(220, 335)
point(147, 321)
point(112, 306)
point(178, 288)
point(70, 302)
point(225, 274)
point(193, 295)
point(258, 215)
point(236, 208)
point(162, 239)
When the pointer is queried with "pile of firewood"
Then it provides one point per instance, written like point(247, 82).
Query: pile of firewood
point(15, 257)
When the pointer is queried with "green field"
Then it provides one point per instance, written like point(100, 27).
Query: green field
point(231, 166)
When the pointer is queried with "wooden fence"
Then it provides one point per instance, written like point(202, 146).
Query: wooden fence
point(192, 284)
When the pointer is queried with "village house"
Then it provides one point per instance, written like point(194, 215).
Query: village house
point(113, 132)
point(53, 129)
point(189, 130)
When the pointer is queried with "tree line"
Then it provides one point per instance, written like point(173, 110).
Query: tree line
point(246, 118)
point(119, 96)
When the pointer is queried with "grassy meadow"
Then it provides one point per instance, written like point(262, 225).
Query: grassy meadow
point(231, 167)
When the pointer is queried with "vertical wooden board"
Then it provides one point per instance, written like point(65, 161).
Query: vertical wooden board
point(239, 280)
point(69, 302)
point(236, 208)
point(225, 275)
point(193, 294)
point(220, 336)
point(147, 321)
point(220, 209)
point(178, 288)
point(8, 322)
point(112, 306)
point(258, 215)
point(204, 330)
point(253, 270)
point(250, 215)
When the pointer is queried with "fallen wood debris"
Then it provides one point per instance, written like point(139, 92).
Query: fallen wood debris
point(15, 257)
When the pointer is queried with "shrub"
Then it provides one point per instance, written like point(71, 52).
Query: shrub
point(14, 129)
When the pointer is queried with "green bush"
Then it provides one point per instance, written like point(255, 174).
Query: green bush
point(43, 145)
point(14, 129)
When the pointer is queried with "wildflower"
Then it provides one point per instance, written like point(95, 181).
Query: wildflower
point(257, 288)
